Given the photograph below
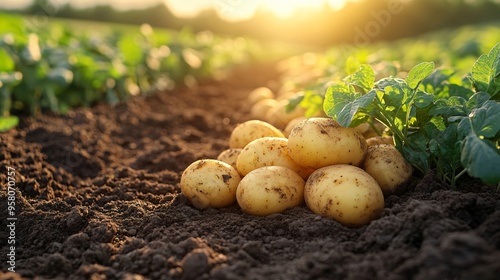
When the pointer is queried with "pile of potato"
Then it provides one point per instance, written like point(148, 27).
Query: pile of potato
point(336, 171)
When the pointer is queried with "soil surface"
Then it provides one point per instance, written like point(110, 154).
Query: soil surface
point(98, 198)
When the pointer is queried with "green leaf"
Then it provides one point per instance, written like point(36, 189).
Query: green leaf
point(395, 100)
point(6, 62)
point(415, 152)
point(486, 71)
point(346, 116)
point(486, 119)
point(396, 92)
point(464, 127)
point(337, 96)
point(453, 106)
point(7, 123)
point(458, 90)
point(344, 105)
point(313, 102)
point(477, 100)
point(418, 73)
point(294, 102)
point(423, 99)
point(437, 80)
point(481, 159)
point(436, 122)
point(364, 78)
point(445, 146)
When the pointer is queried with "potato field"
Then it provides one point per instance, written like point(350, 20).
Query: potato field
point(135, 152)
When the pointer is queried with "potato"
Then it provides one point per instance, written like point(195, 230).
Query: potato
point(259, 94)
point(259, 109)
point(268, 151)
point(279, 117)
point(248, 131)
point(372, 133)
point(372, 141)
point(319, 142)
point(229, 156)
point(362, 128)
point(345, 193)
point(270, 189)
point(291, 124)
point(210, 183)
point(387, 166)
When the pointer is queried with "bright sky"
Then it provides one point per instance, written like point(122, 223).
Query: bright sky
point(229, 9)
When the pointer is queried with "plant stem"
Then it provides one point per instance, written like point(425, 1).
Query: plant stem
point(374, 127)
point(5, 101)
point(390, 125)
point(455, 178)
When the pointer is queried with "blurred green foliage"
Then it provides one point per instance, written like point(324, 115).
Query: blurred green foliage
point(55, 67)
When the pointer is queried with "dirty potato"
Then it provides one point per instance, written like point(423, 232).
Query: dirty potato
point(229, 156)
point(268, 151)
point(248, 131)
point(291, 125)
point(372, 141)
point(210, 183)
point(345, 193)
point(319, 142)
point(387, 166)
point(270, 189)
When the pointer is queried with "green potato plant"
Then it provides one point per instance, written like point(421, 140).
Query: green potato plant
point(452, 131)
point(56, 68)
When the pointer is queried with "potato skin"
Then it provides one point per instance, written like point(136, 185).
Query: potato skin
point(259, 109)
point(387, 166)
point(362, 128)
point(345, 193)
point(259, 94)
point(248, 131)
point(320, 142)
point(229, 156)
point(376, 140)
point(268, 151)
point(292, 124)
point(279, 117)
point(210, 183)
point(269, 190)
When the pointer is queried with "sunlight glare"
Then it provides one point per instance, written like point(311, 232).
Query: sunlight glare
point(337, 4)
point(243, 9)
point(285, 8)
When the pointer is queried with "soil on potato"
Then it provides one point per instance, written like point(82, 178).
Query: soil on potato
point(99, 198)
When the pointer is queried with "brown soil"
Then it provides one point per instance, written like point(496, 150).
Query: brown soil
point(99, 199)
